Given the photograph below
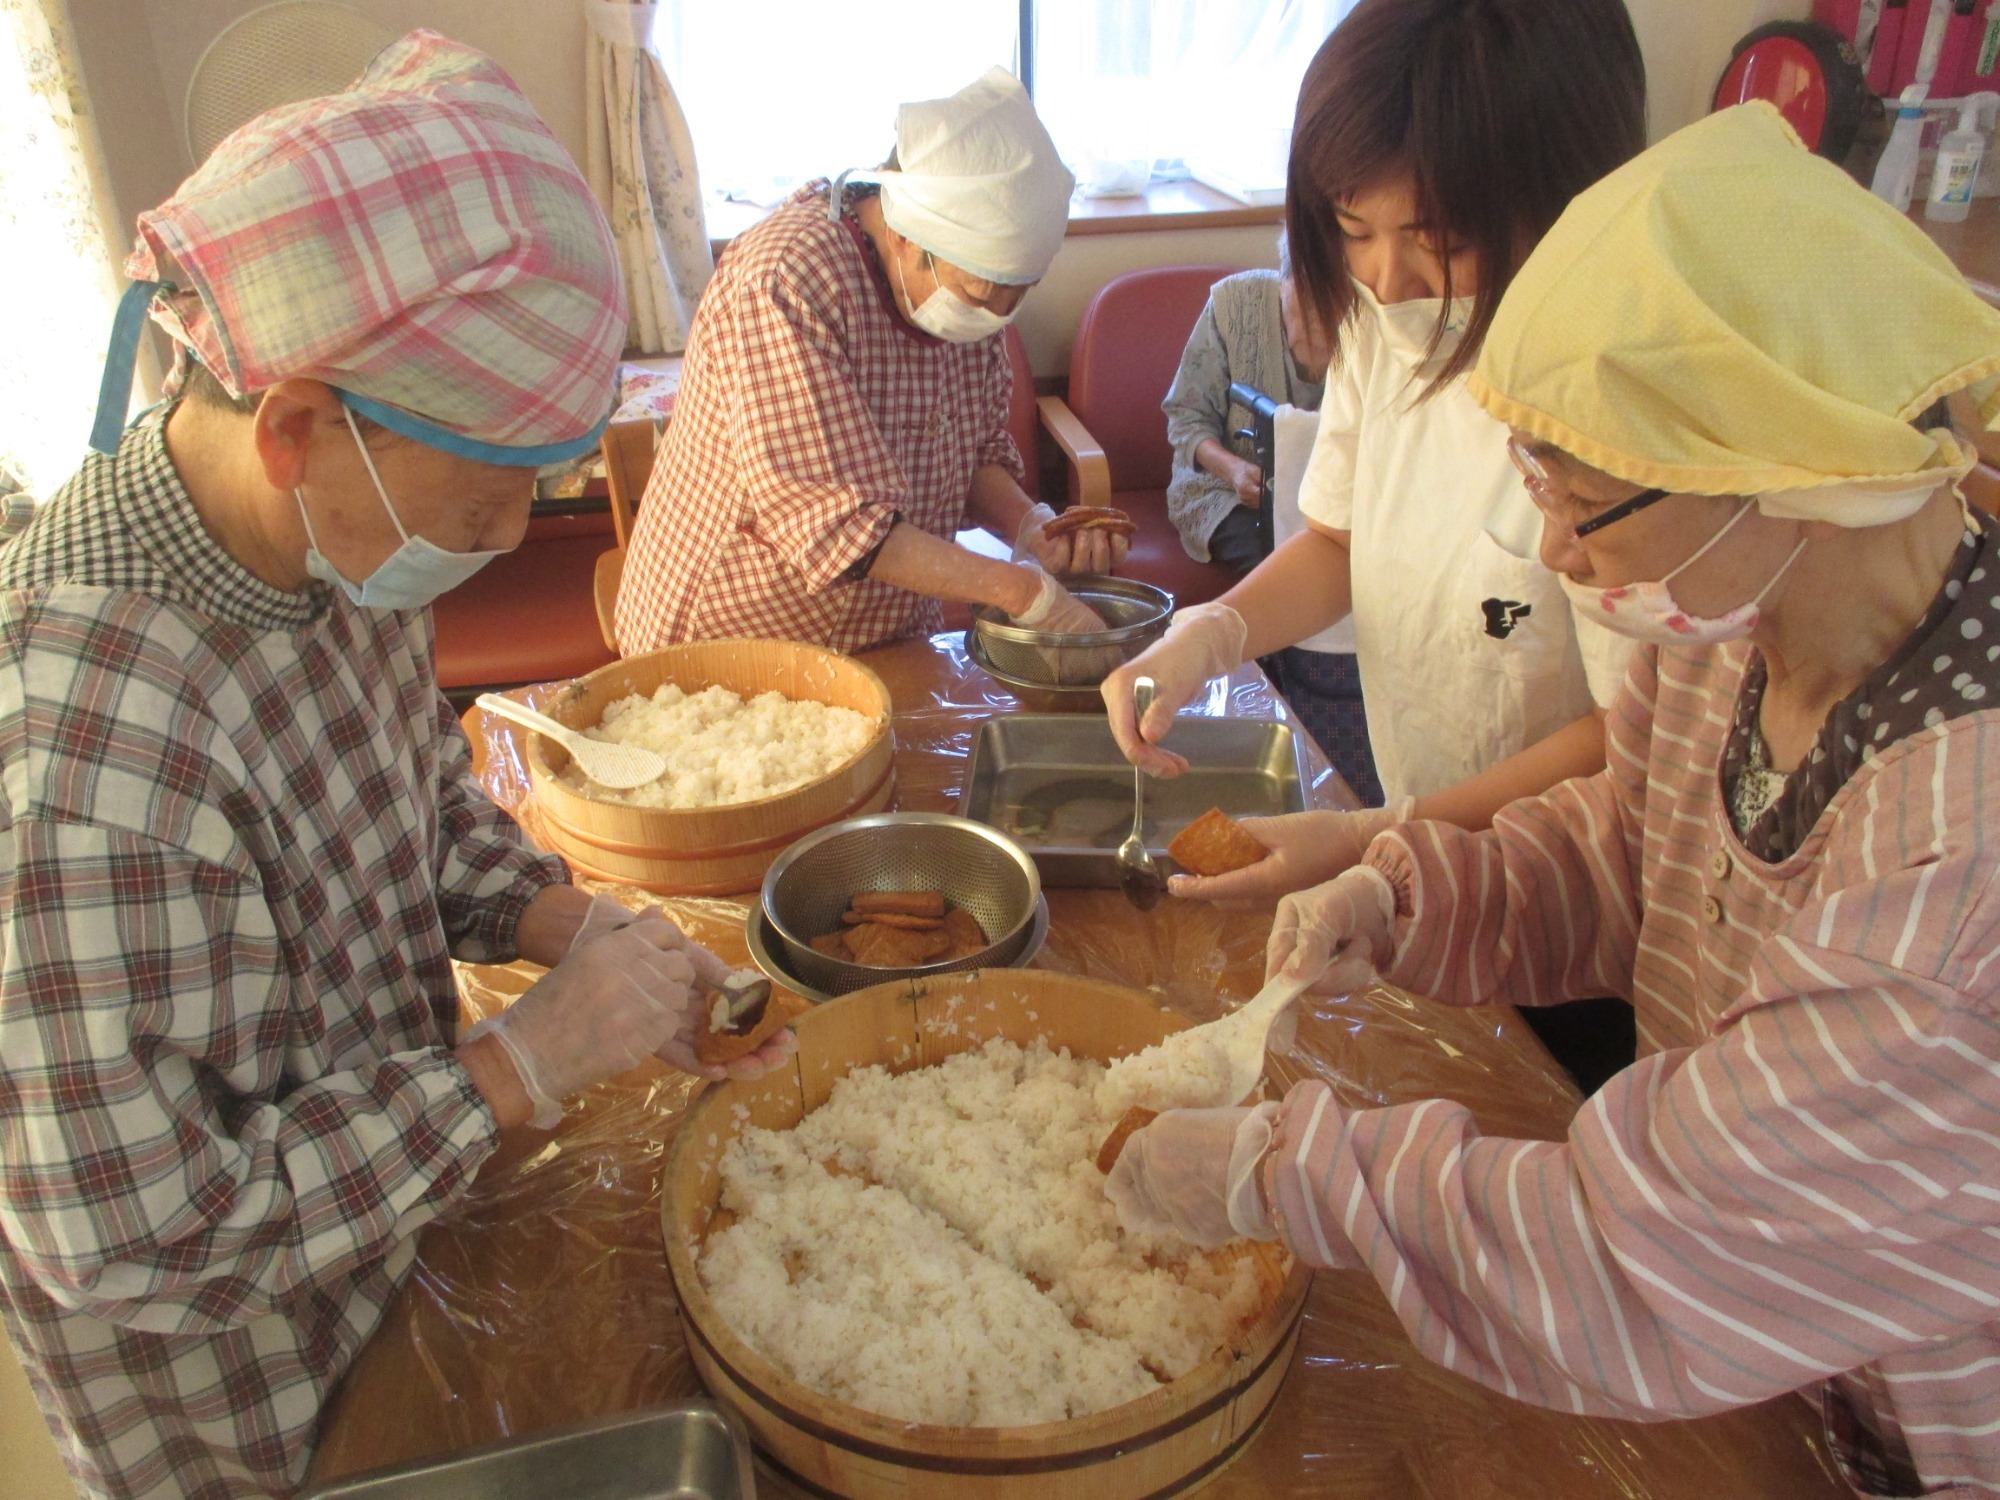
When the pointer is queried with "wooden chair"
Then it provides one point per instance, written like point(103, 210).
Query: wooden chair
point(1128, 346)
point(628, 460)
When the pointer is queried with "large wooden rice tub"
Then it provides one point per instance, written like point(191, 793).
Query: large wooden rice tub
point(711, 851)
point(1169, 1442)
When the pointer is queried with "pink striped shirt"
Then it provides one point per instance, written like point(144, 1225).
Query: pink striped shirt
point(1798, 1183)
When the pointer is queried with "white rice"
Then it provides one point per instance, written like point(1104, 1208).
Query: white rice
point(1189, 1070)
point(960, 1265)
point(720, 748)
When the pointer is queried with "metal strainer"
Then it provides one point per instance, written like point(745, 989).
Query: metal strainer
point(972, 866)
point(1137, 613)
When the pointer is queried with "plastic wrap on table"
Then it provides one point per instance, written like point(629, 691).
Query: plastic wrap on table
point(542, 1298)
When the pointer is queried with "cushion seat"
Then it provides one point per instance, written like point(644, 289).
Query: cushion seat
point(1157, 556)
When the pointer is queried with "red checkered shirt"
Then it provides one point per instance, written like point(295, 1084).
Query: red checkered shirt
point(239, 846)
point(810, 416)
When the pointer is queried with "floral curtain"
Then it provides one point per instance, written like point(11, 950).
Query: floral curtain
point(56, 249)
point(640, 161)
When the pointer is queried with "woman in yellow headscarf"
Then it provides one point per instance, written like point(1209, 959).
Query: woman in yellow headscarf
point(1721, 369)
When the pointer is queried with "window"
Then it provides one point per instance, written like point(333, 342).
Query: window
point(777, 92)
point(780, 91)
point(1211, 83)
point(54, 253)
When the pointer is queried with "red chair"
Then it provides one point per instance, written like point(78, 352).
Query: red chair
point(530, 616)
point(1128, 346)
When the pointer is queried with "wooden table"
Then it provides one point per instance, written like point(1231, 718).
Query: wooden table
point(544, 1300)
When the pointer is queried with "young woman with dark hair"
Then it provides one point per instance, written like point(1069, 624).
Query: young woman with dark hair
point(1435, 142)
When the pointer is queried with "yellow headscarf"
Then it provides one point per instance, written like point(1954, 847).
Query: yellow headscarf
point(1728, 314)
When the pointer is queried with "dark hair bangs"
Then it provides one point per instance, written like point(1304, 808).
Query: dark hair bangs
point(1497, 111)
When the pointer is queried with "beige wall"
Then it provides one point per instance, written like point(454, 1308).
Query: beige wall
point(138, 55)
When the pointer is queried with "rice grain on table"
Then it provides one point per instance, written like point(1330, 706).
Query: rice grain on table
point(936, 1246)
point(721, 748)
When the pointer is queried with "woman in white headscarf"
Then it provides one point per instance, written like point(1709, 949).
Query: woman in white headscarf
point(843, 403)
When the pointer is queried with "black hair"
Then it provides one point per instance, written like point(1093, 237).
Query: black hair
point(1498, 112)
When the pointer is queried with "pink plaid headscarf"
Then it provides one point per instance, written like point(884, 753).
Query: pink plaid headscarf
point(420, 242)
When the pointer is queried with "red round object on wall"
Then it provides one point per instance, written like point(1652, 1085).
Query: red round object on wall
point(1782, 71)
point(1809, 72)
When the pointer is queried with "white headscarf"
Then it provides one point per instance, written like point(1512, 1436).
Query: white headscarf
point(978, 183)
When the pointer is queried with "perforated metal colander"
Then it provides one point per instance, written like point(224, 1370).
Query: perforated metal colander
point(1137, 613)
point(970, 865)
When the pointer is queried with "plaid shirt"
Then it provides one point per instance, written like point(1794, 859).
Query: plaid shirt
point(239, 846)
point(810, 417)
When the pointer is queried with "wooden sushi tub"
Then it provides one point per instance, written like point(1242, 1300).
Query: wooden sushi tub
point(710, 851)
point(1168, 1442)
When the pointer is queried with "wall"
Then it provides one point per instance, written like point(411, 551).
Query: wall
point(138, 54)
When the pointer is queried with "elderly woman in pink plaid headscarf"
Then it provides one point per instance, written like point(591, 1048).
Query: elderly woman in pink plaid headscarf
point(240, 841)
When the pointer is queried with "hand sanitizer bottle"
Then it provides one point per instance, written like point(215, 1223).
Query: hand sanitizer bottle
point(1958, 161)
point(1896, 173)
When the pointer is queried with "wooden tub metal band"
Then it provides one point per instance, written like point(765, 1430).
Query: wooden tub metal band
point(1193, 1480)
point(732, 851)
point(1082, 1458)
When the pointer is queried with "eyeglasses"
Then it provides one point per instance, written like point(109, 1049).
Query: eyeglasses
point(1553, 497)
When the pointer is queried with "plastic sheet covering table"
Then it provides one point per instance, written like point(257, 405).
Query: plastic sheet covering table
point(542, 1299)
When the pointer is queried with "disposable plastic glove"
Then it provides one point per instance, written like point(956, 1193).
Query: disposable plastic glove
point(607, 914)
point(1335, 936)
point(1058, 611)
point(1193, 1173)
point(1203, 641)
point(604, 914)
point(610, 1004)
point(1307, 849)
point(1087, 551)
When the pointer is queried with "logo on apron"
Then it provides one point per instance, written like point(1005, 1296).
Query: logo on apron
point(1502, 615)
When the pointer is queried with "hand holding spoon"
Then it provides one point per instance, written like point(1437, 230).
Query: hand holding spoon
point(1139, 874)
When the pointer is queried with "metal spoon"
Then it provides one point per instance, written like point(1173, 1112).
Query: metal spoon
point(617, 768)
point(1139, 875)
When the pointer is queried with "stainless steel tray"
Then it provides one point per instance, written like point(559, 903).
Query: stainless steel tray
point(1057, 785)
point(692, 1451)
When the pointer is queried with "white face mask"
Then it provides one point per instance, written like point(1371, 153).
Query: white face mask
point(1647, 611)
point(944, 315)
point(1408, 327)
point(410, 577)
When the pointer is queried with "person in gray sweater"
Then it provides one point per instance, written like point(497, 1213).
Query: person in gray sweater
point(1252, 332)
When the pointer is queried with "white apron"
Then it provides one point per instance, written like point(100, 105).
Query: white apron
point(1468, 649)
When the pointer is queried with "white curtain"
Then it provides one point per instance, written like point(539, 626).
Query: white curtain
point(640, 161)
point(58, 249)
point(1196, 79)
point(781, 91)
